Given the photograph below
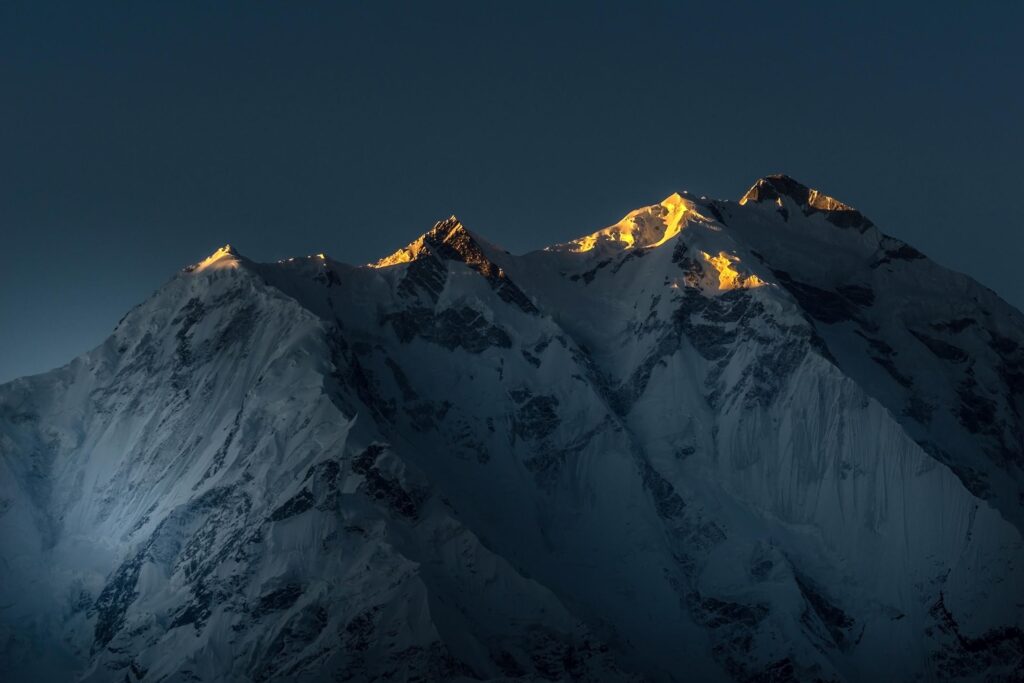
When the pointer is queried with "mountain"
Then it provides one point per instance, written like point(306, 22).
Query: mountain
point(755, 441)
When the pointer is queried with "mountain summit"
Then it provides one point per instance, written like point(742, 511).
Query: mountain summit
point(774, 187)
point(715, 440)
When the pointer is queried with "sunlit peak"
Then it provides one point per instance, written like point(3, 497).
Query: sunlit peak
point(225, 257)
point(674, 199)
point(650, 226)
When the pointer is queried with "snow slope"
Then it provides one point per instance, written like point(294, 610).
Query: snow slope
point(713, 441)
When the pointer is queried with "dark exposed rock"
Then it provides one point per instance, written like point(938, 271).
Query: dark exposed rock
point(384, 488)
point(877, 345)
point(996, 654)
point(716, 210)
point(408, 393)
point(352, 374)
point(630, 255)
point(531, 359)
point(718, 613)
point(822, 304)
point(328, 277)
point(780, 671)
point(451, 328)
point(357, 633)
point(547, 459)
point(537, 417)
point(857, 294)
point(296, 505)
point(733, 627)
point(237, 330)
point(903, 380)
point(895, 250)
point(191, 313)
point(326, 473)
point(115, 598)
point(426, 277)
point(589, 275)
point(837, 622)
point(425, 415)
point(976, 413)
point(943, 350)
point(955, 326)
point(919, 409)
point(197, 611)
point(667, 501)
point(1001, 344)
point(277, 600)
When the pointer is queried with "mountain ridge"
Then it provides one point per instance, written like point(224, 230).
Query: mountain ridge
point(727, 440)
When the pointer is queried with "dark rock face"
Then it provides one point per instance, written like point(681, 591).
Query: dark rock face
point(114, 600)
point(667, 501)
point(426, 277)
point(277, 600)
point(827, 306)
point(884, 355)
point(894, 251)
point(995, 655)
point(296, 505)
point(384, 488)
point(451, 328)
point(821, 611)
point(943, 350)
point(589, 275)
point(976, 412)
point(536, 417)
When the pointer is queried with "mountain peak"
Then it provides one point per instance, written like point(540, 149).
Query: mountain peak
point(649, 226)
point(448, 238)
point(224, 257)
point(446, 229)
point(773, 188)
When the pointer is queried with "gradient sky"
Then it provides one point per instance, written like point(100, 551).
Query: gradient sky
point(136, 138)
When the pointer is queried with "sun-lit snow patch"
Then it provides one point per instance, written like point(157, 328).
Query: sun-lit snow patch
point(225, 257)
point(650, 226)
point(728, 276)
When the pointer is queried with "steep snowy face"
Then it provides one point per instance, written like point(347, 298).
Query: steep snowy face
point(941, 352)
point(211, 480)
point(713, 441)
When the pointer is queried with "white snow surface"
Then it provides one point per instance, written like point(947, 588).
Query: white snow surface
point(754, 440)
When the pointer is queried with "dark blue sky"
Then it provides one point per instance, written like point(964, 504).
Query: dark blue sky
point(137, 137)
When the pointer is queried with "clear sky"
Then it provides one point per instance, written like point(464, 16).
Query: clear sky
point(136, 138)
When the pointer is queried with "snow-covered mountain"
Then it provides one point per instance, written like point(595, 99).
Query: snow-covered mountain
point(754, 440)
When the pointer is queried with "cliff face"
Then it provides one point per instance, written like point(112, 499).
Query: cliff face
point(715, 440)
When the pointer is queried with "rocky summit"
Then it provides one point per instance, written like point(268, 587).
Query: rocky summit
point(717, 440)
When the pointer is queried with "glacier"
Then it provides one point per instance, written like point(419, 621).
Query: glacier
point(754, 440)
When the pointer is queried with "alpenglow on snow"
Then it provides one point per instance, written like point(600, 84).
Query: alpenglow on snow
point(755, 440)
